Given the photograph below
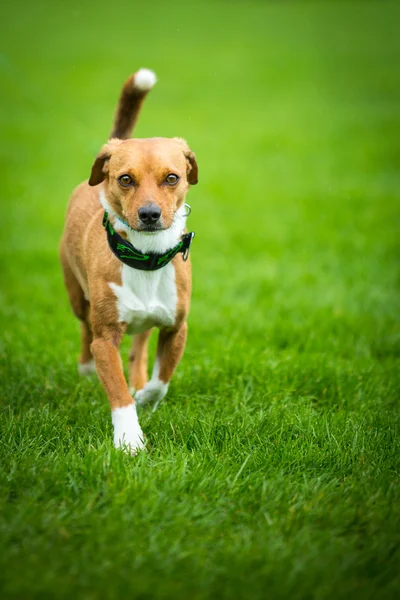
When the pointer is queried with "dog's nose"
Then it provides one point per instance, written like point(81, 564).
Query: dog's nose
point(149, 214)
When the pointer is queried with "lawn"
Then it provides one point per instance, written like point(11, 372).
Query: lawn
point(272, 468)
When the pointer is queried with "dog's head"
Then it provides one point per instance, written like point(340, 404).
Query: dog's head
point(145, 180)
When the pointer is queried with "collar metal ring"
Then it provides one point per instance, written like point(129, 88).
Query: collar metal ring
point(188, 210)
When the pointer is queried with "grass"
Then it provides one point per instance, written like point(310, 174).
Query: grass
point(273, 467)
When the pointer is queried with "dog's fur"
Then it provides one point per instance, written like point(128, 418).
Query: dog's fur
point(109, 297)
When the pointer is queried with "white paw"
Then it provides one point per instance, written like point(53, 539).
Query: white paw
point(152, 393)
point(87, 368)
point(128, 434)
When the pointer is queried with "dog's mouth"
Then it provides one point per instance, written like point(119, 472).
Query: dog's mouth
point(150, 229)
point(178, 220)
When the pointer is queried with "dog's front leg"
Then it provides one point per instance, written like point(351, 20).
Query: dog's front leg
point(138, 358)
point(170, 347)
point(127, 431)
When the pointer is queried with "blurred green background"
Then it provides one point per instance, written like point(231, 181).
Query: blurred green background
point(273, 466)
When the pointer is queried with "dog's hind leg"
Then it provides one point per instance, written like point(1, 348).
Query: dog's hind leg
point(86, 364)
point(138, 357)
point(81, 309)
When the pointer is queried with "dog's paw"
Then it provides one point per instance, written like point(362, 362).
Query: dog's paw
point(87, 368)
point(152, 393)
point(128, 434)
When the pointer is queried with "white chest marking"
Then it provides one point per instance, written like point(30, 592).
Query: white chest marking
point(146, 298)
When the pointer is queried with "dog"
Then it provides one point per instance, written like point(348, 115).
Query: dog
point(125, 259)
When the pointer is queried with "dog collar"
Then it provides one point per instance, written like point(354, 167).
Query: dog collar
point(136, 259)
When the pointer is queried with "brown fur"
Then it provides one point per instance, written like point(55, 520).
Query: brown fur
point(89, 266)
point(130, 103)
point(138, 359)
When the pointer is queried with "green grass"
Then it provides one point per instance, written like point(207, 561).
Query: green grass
point(273, 467)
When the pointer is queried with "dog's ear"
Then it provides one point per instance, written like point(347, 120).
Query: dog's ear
point(192, 172)
point(100, 165)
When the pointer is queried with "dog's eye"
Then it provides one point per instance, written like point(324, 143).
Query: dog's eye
point(172, 179)
point(125, 180)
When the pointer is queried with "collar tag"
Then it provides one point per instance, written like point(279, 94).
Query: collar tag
point(187, 240)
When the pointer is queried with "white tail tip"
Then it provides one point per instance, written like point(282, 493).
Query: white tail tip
point(144, 80)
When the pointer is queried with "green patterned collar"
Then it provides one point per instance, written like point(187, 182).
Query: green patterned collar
point(132, 257)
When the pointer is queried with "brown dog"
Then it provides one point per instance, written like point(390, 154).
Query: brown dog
point(128, 271)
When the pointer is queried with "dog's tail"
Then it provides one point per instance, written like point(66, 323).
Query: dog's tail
point(132, 95)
